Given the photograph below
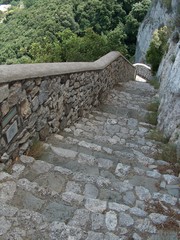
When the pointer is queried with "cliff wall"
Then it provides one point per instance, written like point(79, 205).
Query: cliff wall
point(168, 73)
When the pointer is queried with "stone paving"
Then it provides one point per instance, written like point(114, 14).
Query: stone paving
point(96, 180)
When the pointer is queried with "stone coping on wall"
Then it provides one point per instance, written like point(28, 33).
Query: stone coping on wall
point(142, 64)
point(9, 73)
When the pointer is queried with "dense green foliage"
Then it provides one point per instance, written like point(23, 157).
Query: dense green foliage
point(157, 48)
point(68, 30)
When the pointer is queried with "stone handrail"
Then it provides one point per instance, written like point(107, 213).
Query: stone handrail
point(9, 73)
point(39, 99)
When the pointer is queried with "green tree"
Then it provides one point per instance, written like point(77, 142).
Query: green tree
point(34, 32)
point(116, 39)
point(87, 48)
point(45, 51)
point(140, 9)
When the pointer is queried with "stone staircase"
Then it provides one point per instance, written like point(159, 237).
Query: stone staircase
point(96, 180)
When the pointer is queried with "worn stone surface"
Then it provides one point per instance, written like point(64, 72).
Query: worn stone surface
point(157, 218)
point(80, 219)
point(125, 220)
point(142, 193)
point(111, 220)
point(7, 190)
point(98, 221)
point(86, 191)
point(90, 191)
point(138, 212)
point(4, 225)
point(94, 205)
point(145, 226)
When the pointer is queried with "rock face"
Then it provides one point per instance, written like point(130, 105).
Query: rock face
point(157, 16)
point(169, 69)
point(169, 111)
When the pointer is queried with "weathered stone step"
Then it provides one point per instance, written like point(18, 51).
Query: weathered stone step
point(95, 181)
point(137, 88)
point(101, 145)
point(136, 113)
point(47, 189)
point(85, 201)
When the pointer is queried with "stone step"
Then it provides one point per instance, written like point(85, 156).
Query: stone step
point(101, 145)
point(96, 180)
point(137, 88)
point(82, 200)
point(133, 112)
point(40, 168)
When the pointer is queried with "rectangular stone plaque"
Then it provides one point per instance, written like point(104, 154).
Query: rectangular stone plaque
point(12, 131)
point(9, 116)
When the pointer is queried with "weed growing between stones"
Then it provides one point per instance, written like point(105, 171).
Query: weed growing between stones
point(155, 83)
point(153, 107)
point(152, 118)
point(168, 150)
point(153, 114)
point(157, 136)
point(172, 168)
point(161, 208)
point(169, 153)
point(167, 4)
point(36, 149)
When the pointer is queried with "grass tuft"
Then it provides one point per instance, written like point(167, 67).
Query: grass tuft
point(153, 107)
point(157, 136)
point(155, 83)
point(173, 217)
point(168, 150)
point(169, 153)
point(36, 150)
point(152, 118)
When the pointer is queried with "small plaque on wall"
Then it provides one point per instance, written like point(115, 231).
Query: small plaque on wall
point(9, 116)
point(12, 131)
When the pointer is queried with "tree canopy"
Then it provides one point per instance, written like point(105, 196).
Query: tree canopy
point(68, 30)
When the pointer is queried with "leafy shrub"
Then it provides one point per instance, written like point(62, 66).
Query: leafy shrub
point(167, 4)
point(157, 48)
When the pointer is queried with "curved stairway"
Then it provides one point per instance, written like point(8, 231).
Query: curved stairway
point(96, 180)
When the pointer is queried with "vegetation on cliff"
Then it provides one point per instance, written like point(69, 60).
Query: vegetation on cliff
point(158, 47)
point(69, 30)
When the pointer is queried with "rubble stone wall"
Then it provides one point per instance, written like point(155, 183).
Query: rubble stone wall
point(39, 99)
point(143, 71)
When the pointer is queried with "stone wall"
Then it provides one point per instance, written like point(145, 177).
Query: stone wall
point(143, 71)
point(39, 99)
